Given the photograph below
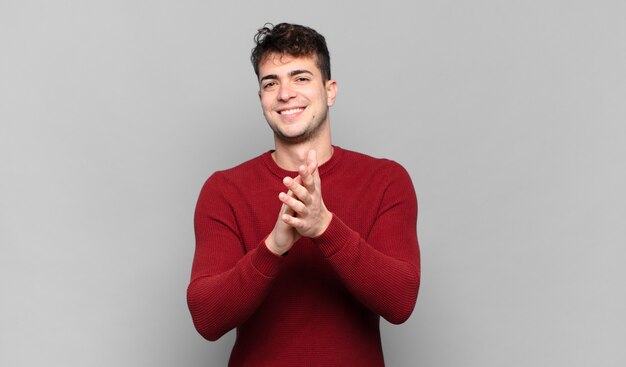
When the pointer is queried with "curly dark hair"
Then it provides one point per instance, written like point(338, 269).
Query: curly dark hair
point(290, 39)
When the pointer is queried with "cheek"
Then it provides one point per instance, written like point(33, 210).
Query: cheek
point(265, 104)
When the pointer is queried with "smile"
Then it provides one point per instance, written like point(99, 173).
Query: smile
point(291, 111)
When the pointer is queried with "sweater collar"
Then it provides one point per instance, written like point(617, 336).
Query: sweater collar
point(323, 169)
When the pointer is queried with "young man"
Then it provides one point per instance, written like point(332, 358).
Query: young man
point(303, 248)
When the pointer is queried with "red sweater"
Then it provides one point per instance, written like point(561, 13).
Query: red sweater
point(320, 304)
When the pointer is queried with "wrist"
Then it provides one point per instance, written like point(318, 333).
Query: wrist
point(327, 217)
point(271, 245)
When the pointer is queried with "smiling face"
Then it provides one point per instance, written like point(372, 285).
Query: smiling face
point(295, 98)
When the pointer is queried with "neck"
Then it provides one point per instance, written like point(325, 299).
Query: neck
point(291, 156)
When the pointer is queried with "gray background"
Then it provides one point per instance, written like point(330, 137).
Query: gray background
point(509, 115)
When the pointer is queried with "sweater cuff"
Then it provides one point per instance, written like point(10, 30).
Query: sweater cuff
point(335, 237)
point(265, 261)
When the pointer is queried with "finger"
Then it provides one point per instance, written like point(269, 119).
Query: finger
point(285, 209)
point(298, 190)
point(313, 168)
point(312, 161)
point(306, 178)
point(297, 179)
point(292, 221)
point(295, 205)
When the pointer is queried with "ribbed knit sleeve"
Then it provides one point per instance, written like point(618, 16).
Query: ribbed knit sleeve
point(227, 284)
point(383, 270)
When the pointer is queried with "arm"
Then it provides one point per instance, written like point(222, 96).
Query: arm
point(382, 271)
point(227, 284)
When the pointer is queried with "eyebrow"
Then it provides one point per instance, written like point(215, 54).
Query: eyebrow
point(291, 73)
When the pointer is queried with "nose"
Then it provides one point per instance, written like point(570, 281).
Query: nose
point(285, 92)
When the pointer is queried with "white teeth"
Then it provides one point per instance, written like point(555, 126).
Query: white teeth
point(291, 112)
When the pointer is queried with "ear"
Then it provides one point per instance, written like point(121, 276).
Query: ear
point(331, 92)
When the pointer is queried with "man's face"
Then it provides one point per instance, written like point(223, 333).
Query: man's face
point(294, 97)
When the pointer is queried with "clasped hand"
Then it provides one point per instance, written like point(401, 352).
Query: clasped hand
point(303, 213)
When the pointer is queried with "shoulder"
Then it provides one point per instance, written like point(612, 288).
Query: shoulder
point(232, 181)
point(373, 165)
point(239, 172)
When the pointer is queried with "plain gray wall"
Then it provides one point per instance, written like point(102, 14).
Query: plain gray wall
point(509, 115)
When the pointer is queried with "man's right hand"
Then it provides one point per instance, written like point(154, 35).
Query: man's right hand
point(283, 236)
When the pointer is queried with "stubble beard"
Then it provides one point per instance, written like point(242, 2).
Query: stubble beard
point(311, 132)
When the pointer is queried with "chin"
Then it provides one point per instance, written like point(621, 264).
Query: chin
point(298, 136)
point(292, 140)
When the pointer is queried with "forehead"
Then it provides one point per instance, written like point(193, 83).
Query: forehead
point(277, 63)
